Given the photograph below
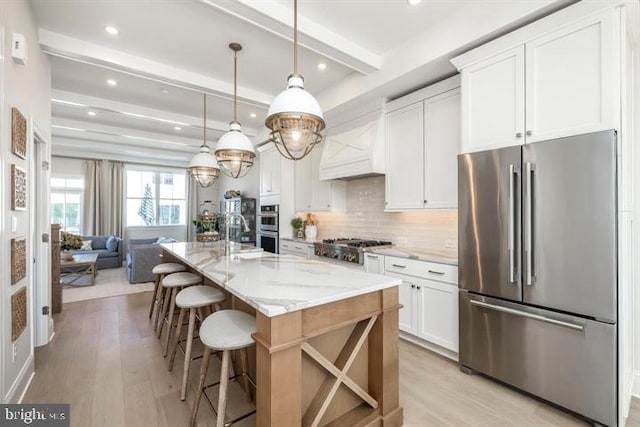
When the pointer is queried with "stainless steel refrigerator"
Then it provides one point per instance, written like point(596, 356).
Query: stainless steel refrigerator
point(538, 270)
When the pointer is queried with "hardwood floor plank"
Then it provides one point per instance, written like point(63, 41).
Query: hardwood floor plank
point(107, 363)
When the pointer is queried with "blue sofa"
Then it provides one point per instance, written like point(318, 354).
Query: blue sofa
point(142, 256)
point(108, 248)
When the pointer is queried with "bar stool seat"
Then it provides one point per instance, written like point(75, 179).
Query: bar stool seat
point(160, 271)
point(224, 331)
point(172, 283)
point(193, 298)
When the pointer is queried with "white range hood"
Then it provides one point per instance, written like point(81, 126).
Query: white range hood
point(354, 149)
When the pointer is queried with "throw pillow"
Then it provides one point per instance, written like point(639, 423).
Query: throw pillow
point(166, 240)
point(112, 244)
point(86, 245)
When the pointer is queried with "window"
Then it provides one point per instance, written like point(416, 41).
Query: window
point(66, 203)
point(155, 198)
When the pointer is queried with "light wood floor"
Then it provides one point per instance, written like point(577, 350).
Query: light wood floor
point(106, 362)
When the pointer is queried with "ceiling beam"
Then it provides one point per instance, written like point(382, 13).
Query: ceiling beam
point(138, 112)
point(79, 50)
point(278, 19)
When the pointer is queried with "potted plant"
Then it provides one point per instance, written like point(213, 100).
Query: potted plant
point(298, 227)
point(310, 229)
point(69, 242)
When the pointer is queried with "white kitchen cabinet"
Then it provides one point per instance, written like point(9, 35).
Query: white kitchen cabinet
point(422, 144)
point(373, 263)
point(292, 247)
point(429, 294)
point(555, 81)
point(408, 315)
point(493, 102)
point(270, 172)
point(312, 194)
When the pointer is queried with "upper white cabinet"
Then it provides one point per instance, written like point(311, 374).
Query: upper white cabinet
point(558, 78)
point(422, 144)
point(270, 172)
point(493, 102)
point(312, 194)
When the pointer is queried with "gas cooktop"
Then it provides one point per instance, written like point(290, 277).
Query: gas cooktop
point(346, 249)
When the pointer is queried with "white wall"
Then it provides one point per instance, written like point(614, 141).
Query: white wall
point(65, 166)
point(29, 89)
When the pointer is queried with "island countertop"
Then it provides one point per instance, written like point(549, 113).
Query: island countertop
point(276, 284)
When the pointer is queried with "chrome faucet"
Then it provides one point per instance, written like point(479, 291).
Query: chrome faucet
point(227, 242)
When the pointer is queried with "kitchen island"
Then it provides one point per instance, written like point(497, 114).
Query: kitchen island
point(326, 340)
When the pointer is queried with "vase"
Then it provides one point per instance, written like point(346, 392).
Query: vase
point(66, 255)
point(310, 231)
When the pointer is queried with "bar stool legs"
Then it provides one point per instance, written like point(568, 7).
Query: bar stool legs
point(172, 308)
point(206, 358)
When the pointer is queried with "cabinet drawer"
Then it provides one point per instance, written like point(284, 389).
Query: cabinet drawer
point(427, 270)
point(297, 248)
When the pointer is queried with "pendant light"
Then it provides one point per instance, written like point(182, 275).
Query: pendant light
point(295, 117)
point(203, 167)
point(234, 152)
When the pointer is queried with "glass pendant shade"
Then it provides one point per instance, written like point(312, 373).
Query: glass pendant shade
point(295, 120)
point(234, 152)
point(204, 168)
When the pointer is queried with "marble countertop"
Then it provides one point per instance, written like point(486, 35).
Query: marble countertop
point(276, 284)
point(293, 239)
point(431, 256)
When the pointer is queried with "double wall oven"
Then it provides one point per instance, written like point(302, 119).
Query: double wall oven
point(268, 228)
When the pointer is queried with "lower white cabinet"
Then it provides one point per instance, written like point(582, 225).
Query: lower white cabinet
point(374, 263)
point(430, 307)
point(291, 247)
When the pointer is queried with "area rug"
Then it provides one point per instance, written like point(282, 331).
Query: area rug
point(109, 282)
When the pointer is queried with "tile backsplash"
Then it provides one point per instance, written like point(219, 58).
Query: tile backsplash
point(365, 218)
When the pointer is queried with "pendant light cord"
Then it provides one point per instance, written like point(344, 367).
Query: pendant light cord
point(295, 36)
point(204, 121)
point(235, 85)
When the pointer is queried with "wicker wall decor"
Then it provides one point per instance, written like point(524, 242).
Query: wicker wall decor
point(18, 259)
point(18, 133)
point(18, 188)
point(18, 313)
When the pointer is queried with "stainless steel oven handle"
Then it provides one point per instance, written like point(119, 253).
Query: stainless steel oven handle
point(573, 326)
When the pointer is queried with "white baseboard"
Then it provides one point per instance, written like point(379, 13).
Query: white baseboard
point(430, 346)
point(22, 382)
point(636, 384)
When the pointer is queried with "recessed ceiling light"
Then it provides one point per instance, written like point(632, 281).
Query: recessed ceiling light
point(164, 90)
point(322, 66)
point(111, 30)
point(112, 82)
point(92, 113)
point(252, 115)
point(413, 2)
point(177, 128)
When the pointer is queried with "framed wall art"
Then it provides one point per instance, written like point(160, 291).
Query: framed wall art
point(18, 313)
point(18, 259)
point(18, 188)
point(18, 133)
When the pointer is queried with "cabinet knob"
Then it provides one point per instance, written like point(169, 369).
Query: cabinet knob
point(424, 201)
point(386, 203)
point(518, 134)
point(328, 206)
point(418, 287)
point(413, 286)
point(529, 133)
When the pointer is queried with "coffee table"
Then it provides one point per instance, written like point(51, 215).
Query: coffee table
point(83, 265)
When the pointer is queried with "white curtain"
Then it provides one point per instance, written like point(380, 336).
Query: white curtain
point(114, 212)
point(92, 205)
point(192, 211)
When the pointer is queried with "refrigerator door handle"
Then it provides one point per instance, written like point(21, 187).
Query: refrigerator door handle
point(514, 173)
point(528, 223)
point(573, 326)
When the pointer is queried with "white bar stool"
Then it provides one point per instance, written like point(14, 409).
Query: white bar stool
point(172, 284)
point(225, 331)
point(193, 298)
point(160, 271)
